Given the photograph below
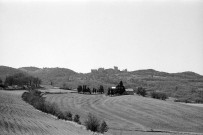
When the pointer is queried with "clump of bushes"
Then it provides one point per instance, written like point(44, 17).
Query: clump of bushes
point(199, 100)
point(183, 100)
point(141, 91)
point(77, 119)
point(68, 116)
point(51, 109)
point(36, 100)
point(103, 127)
point(159, 95)
point(93, 124)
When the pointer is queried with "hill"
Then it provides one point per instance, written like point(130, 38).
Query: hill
point(29, 69)
point(7, 71)
point(50, 75)
point(187, 86)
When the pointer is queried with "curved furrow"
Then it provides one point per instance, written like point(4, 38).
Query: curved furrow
point(19, 118)
point(114, 109)
point(133, 112)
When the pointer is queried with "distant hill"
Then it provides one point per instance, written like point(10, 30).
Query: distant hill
point(188, 75)
point(29, 69)
point(7, 71)
point(48, 75)
point(185, 85)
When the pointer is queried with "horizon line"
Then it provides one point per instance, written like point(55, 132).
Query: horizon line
point(104, 69)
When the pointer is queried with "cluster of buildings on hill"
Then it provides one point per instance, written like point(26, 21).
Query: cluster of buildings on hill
point(110, 70)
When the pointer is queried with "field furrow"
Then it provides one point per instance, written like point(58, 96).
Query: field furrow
point(133, 112)
point(20, 118)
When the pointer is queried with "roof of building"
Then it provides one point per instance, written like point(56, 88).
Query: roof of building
point(129, 89)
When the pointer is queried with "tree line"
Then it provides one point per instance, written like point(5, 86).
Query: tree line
point(84, 89)
point(22, 80)
point(118, 90)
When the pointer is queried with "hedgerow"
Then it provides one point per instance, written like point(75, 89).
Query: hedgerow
point(36, 100)
point(159, 95)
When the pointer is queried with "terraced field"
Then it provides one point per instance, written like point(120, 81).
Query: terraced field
point(20, 118)
point(134, 113)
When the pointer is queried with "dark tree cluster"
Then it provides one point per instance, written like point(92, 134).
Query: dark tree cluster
point(141, 91)
point(159, 95)
point(1, 81)
point(94, 90)
point(84, 89)
point(22, 80)
point(100, 90)
point(119, 90)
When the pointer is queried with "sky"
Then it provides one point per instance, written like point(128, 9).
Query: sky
point(82, 35)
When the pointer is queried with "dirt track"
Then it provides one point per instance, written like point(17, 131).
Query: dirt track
point(20, 118)
point(134, 112)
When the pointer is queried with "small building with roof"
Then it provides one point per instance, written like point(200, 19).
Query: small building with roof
point(129, 91)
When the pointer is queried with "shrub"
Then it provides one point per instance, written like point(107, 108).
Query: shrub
point(198, 100)
point(60, 115)
point(34, 98)
point(141, 91)
point(159, 95)
point(79, 89)
point(183, 100)
point(38, 103)
point(77, 119)
point(68, 116)
point(92, 123)
point(51, 108)
point(104, 127)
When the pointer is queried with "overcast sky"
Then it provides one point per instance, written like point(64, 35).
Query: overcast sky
point(83, 35)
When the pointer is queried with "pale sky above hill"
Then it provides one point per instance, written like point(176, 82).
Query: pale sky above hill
point(82, 35)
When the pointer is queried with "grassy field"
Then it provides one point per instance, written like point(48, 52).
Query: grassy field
point(131, 112)
point(20, 118)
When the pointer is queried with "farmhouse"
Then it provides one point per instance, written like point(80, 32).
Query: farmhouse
point(129, 91)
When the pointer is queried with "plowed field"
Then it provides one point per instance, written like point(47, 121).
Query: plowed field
point(20, 118)
point(131, 112)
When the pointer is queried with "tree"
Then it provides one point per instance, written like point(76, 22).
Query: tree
point(141, 91)
point(1, 81)
point(22, 79)
point(51, 83)
point(159, 95)
point(77, 119)
point(9, 81)
point(104, 127)
point(121, 83)
point(92, 123)
point(68, 116)
point(108, 92)
point(101, 89)
point(79, 88)
point(120, 88)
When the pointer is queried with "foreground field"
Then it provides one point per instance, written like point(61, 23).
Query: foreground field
point(19, 118)
point(125, 113)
